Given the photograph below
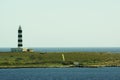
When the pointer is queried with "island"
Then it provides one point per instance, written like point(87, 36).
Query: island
point(58, 59)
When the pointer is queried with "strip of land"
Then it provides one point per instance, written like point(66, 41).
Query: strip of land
point(55, 59)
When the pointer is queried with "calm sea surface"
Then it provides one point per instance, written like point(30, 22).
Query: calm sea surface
point(77, 49)
point(107, 73)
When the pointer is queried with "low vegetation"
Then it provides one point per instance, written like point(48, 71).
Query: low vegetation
point(54, 59)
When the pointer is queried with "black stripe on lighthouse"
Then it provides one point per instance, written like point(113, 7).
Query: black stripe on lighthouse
point(20, 37)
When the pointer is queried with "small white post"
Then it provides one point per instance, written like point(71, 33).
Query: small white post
point(63, 57)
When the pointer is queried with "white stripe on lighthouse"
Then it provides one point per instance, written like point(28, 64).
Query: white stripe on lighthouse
point(19, 33)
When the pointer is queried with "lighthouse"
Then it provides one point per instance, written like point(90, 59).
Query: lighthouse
point(20, 37)
point(20, 44)
point(19, 41)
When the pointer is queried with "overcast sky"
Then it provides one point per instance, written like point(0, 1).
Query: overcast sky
point(60, 23)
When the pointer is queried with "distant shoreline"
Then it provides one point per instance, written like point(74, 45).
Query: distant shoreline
point(70, 49)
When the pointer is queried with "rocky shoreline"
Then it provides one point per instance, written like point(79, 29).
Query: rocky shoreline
point(55, 60)
point(66, 66)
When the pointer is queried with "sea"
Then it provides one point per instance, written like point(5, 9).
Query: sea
point(70, 49)
point(105, 73)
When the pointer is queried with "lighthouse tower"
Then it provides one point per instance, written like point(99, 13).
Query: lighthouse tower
point(20, 45)
point(20, 37)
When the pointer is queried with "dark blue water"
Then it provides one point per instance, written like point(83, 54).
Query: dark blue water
point(77, 49)
point(111, 73)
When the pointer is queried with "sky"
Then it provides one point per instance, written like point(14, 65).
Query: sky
point(60, 23)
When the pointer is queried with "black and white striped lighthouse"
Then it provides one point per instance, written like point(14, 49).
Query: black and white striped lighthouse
point(20, 37)
point(20, 45)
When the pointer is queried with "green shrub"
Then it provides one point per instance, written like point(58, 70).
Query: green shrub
point(67, 62)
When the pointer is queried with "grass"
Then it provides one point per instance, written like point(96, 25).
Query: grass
point(54, 59)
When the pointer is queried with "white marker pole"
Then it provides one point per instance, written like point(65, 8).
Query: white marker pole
point(63, 57)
